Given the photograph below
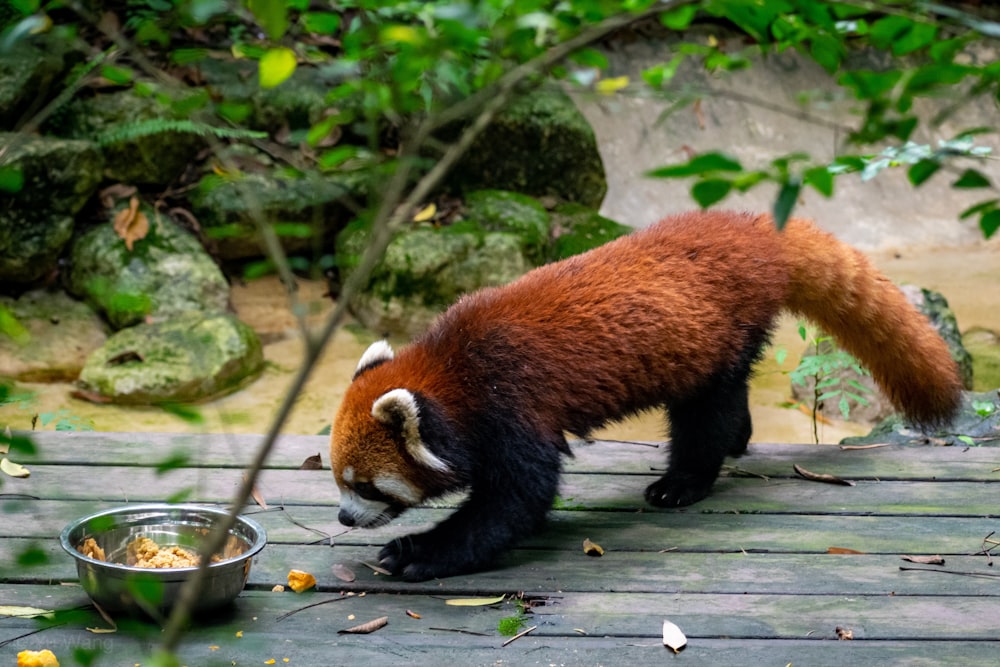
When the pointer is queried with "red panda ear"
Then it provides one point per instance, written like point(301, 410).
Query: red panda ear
point(398, 409)
point(377, 353)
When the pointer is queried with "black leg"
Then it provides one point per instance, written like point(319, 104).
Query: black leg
point(508, 501)
point(704, 429)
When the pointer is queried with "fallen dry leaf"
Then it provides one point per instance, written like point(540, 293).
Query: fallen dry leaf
point(13, 469)
point(23, 612)
point(844, 633)
point(365, 628)
point(426, 213)
point(820, 477)
point(413, 614)
point(131, 224)
point(842, 550)
point(592, 548)
point(474, 602)
point(299, 580)
point(314, 462)
point(925, 560)
point(673, 638)
point(91, 396)
point(257, 496)
point(343, 572)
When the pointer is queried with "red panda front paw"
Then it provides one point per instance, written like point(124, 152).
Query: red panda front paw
point(677, 490)
point(412, 558)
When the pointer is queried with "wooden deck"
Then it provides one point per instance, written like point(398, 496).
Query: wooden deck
point(746, 574)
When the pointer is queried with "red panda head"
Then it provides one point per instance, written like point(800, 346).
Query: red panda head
point(380, 460)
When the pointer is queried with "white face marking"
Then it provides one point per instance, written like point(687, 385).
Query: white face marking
point(364, 513)
point(398, 488)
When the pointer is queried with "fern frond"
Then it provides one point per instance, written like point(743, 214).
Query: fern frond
point(142, 128)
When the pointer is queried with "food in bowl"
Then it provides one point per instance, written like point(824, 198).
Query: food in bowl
point(136, 558)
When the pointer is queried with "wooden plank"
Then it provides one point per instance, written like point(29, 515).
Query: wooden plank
point(622, 531)
point(618, 571)
point(308, 638)
point(577, 491)
point(772, 460)
point(630, 615)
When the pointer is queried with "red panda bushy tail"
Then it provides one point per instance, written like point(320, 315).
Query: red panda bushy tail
point(839, 289)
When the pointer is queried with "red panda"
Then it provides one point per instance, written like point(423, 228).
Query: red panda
point(674, 315)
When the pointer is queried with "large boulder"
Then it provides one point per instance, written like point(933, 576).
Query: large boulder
point(977, 424)
point(185, 359)
point(984, 347)
point(498, 238)
point(36, 222)
point(577, 228)
point(31, 73)
point(166, 273)
point(304, 210)
point(58, 334)
point(846, 379)
point(137, 135)
point(539, 145)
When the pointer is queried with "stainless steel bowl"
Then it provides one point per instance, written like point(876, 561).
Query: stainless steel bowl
point(119, 587)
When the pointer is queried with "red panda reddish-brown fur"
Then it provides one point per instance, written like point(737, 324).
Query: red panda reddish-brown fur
point(673, 315)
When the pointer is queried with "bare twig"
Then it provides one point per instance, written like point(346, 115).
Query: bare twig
point(310, 606)
point(520, 634)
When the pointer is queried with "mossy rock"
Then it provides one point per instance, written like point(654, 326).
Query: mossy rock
point(425, 270)
point(32, 72)
point(511, 212)
point(578, 228)
point(540, 145)
point(185, 359)
point(153, 156)
point(165, 273)
point(59, 333)
point(306, 212)
point(984, 347)
point(978, 423)
point(36, 222)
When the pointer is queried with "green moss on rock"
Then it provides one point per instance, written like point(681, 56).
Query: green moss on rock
point(59, 175)
point(185, 359)
point(166, 273)
point(540, 145)
point(579, 228)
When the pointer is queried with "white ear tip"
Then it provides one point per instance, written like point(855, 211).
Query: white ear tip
point(378, 352)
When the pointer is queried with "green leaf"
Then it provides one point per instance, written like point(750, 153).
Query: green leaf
point(32, 556)
point(783, 205)
point(821, 179)
point(174, 461)
point(679, 18)
point(711, 190)
point(990, 223)
point(590, 58)
point(971, 178)
point(322, 23)
point(919, 36)
point(868, 85)
point(827, 51)
point(982, 207)
point(276, 65)
point(117, 75)
point(11, 179)
point(188, 413)
point(922, 170)
point(886, 31)
point(271, 15)
point(697, 166)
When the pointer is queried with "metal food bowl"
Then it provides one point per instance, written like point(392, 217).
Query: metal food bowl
point(119, 587)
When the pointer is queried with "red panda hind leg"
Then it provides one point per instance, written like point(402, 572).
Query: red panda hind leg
point(705, 428)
